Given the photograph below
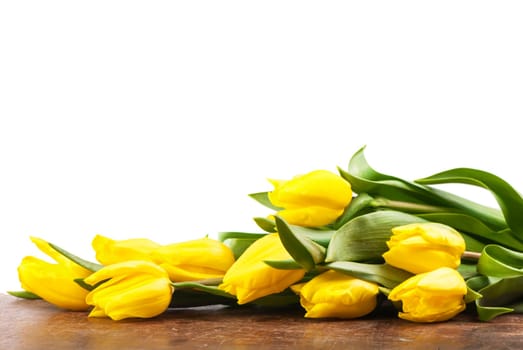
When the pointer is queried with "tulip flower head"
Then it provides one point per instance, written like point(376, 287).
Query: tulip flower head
point(110, 251)
point(314, 199)
point(432, 296)
point(54, 282)
point(250, 278)
point(423, 247)
point(337, 295)
point(193, 260)
point(134, 288)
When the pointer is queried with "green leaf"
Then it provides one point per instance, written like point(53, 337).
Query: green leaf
point(365, 179)
point(263, 198)
point(383, 274)
point(472, 244)
point(501, 297)
point(81, 283)
point(202, 287)
point(286, 298)
point(358, 205)
point(364, 237)
point(191, 294)
point(479, 282)
point(302, 249)
point(266, 224)
point(283, 264)
point(83, 263)
point(471, 295)
point(24, 294)
point(509, 200)
point(223, 236)
point(467, 270)
point(322, 237)
point(497, 261)
point(239, 241)
point(239, 245)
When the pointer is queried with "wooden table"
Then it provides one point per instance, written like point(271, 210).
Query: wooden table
point(34, 324)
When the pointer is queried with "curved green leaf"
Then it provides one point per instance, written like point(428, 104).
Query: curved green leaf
point(283, 299)
point(501, 297)
point(364, 237)
point(191, 294)
point(24, 294)
point(471, 295)
point(239, 245)
point(509, 200)
point(283, 264)
point(82, 262)
point(263, 198)
point(498, 261)
point(322, 237)
point(302, 249)
point(467, 271)
point(239, 241)
point(365, 179)
point(202, 287)
point(223, 236)
point(358, 204)
point(472, 244)
point(382, 274)
point(266, 224)
point(479, 282)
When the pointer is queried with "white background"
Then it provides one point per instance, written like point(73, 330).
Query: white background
point(156, 118)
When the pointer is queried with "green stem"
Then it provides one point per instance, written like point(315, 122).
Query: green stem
point(409, 207)
point(471, 255)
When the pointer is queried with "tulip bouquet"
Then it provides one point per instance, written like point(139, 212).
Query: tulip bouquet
point(338, 246)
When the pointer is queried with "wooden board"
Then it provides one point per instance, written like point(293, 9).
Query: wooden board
point(34, 324)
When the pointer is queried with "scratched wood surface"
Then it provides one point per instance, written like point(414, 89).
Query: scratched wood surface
point(34, 324)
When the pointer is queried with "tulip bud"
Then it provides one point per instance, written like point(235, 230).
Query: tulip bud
point(110, 251)
point(193, 260)
point(314, 199)
point(337, 295)
point(423, 247)
point(433, 296)
point(54, 282)
point(250, 278)
point(134, 288)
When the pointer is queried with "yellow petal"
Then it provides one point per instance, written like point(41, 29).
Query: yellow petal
point(432, 296)
point(313, 199)
point(195, 259)
point(249, 278)
point(52, 282)
point(130, 289)
point(110, 251)
point(333, 294)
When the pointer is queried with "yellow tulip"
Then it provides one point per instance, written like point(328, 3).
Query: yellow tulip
point(134, 288)
point(423, 247)
point(110, 251)
point(197, 259)
point(249, 278)
point(432, 296)
point(54, 282)
point(336, 295)
point(314, 199)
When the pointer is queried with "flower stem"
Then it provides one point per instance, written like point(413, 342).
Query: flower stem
point(380, 202)
point(471, 255)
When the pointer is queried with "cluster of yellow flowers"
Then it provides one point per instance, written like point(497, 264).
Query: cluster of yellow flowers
point(323, 249)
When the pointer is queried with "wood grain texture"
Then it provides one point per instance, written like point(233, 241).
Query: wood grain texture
point(34, 324)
